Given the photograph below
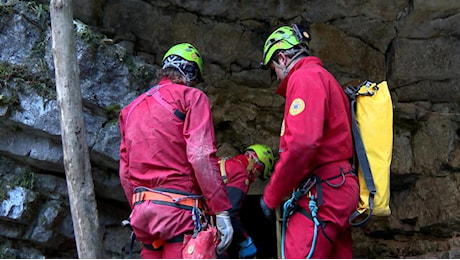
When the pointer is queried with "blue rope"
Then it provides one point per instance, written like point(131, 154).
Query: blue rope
point(288, 209)
point(314, 210)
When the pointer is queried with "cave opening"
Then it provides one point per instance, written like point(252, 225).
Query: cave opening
point(262, 231)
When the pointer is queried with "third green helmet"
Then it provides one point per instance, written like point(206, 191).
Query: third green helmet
point(265, 155)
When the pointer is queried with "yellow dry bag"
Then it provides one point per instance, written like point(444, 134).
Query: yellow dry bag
point(372, 127)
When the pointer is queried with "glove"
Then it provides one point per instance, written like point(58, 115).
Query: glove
point(248, 249)
point(268, 212)
point(224, 225)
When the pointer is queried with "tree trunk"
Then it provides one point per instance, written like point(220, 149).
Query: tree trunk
point(76, 156)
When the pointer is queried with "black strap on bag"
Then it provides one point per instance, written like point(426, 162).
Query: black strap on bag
point(361, 156)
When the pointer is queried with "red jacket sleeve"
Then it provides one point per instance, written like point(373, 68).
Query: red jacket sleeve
point(201, 152)
point(303, 130)
point(123, 166)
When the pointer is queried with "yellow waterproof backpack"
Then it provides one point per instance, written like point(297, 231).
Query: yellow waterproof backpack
point(372, 127)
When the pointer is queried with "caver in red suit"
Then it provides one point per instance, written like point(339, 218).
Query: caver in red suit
point(239, 180)
point(238, 173)
point(160, 150)
point(315, 139)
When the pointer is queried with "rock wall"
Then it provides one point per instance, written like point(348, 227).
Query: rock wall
point(414, 44)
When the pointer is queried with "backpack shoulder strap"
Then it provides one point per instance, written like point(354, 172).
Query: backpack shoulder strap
point(222, 170)
point(154, 91)
point(360, 150)
point(136, 102)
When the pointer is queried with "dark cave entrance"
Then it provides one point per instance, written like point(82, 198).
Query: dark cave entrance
point(262, 231)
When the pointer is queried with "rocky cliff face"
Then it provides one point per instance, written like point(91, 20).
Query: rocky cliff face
point(412, 44)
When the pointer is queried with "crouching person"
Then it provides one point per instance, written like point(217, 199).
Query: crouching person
point(238, 173)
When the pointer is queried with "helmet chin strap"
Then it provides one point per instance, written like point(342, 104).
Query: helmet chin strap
point(283, 68)
point(291, 60)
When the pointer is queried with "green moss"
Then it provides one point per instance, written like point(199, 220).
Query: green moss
point(20, 77)
point(9, 96)
point(2, 195)
point(44, 89)
point(7, 8)
point(26, 180)
point(6, 252)
point(8, 100)
point(8, 72)
point(85, 33)
point(112, 112)
point(144, 74)
point(41, 11)
point(39, 51)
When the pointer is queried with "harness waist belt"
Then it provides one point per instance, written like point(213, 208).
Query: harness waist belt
point(170, 197)
point(159, 243)
point(331, 170)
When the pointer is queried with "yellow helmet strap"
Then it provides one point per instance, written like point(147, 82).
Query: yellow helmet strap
point(250, 164)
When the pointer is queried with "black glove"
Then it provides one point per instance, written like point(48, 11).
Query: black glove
point(268, 212)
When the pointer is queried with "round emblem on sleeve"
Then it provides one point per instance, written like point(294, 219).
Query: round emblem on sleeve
point(297, 106)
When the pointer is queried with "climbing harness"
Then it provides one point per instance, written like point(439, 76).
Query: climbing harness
point(203, 241)
point(291, 205)
point(314, 210)
point(167, 197)
point(174, 198)
point(200, 220)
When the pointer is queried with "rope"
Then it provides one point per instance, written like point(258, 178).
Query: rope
point(289, 208)
point(314, 210)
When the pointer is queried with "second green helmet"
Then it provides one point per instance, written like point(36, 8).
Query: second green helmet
point(284, 38)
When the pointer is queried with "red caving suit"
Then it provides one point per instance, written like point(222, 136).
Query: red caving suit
point(315, 139)
point(239, 180)
point(159, 150)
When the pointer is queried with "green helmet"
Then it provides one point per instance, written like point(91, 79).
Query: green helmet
point(284, 38)
point(265, 155)
point(187, 52)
